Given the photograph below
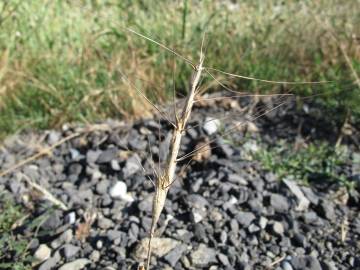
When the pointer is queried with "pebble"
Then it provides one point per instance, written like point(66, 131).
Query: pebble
point(70, 218)
point(95, 256)
point(223, 259)
point(278, 228)
point(50, 263)
point(160, 247)
point(105, 223)
point(65, 237)
point(329, 265)
point(132, 166)
point(42, 253)
point(299, 240)
point(285, 265)
point(102, 186)
point(115, 165)
point(114, 234)
point(70, 251)
point(119, 191)
point(53, 221)
point(107, 155)
point(253, 228)
point(263, 222)
point(99, 244)
point(326, 210)
point(237, 179)
point(92, 156)
point(75, 265)
point(279, 202)
point(175, 254)
point(245, 218)
point(211, 125)
point(203, 256)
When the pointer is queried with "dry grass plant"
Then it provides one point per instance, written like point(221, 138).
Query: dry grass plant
point(165, 178)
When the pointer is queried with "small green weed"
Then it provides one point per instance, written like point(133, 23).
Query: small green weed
point(13, 251)
point(308, 164)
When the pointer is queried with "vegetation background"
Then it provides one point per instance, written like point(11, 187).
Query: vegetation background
point(64, 61)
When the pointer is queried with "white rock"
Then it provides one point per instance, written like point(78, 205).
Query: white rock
point(42, 253)
point(118, 191)
point(95, 256)
point(71, 218)
point(263, 222)
point(211, 125)
point(127, 198)
point(294, 188)
point(233, 200)
point(197, 216)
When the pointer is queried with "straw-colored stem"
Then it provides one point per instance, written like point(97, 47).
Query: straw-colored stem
point(163, 183)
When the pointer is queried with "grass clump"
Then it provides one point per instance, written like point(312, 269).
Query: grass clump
point(314, 163)
point(63, 61)
point(13, 252)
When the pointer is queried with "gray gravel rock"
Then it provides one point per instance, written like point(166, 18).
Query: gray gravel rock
point(175, 254)
point(285, 265)
point(328, 265)
point(196, 201)
point(203, 256)
point(132, 166)
point(223, 149)
point(92, 156)
point(105, 223)
point(161, 246)
point(245, 218)
point(50, 263)
point(310, 194)
point(102, 186)
point(237, 179)
point(75, 265)
point(114, 234)
point(53, 221)
point(69, 251)
point(305, 262)
point(299, 240)
point(327, 210)
point(224, 260)
point(145, 205)
point(65, 237)
point(107, 155)
point(279, 202)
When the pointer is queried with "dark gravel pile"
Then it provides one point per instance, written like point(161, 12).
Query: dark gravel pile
point(224, 211)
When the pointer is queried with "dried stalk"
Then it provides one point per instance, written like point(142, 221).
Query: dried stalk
point(164, 182)
point(48, 150)
point(47, 195)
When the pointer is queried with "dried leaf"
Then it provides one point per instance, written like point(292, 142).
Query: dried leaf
point(82, 231)
point(204, 151)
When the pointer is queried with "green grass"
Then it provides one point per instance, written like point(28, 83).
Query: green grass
point(63, 61)
point(13, 251)
point(318, 162)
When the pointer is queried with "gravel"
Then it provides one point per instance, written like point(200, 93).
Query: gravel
point(225, 212)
